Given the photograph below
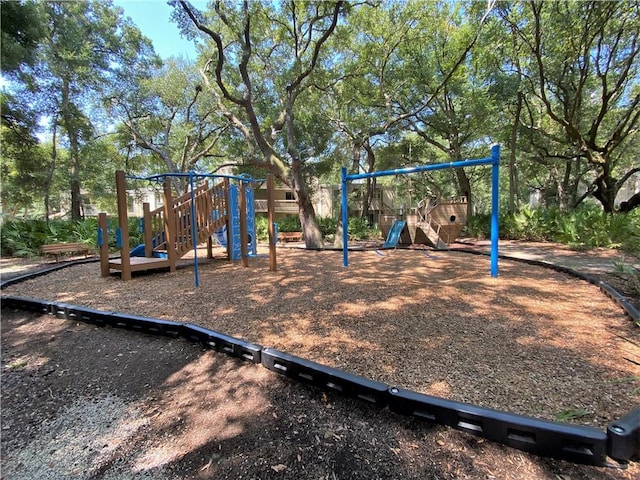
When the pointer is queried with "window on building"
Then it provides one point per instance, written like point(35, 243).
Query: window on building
point(288, 196)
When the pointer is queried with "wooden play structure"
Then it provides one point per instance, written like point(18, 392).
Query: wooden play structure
point(435, 223)
point(182, 223)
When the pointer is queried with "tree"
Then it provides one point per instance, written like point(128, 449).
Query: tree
point(447, 104)
point(262, 63)
point(167, 115)
point(365, 83)
point(21, 30)
point(584, 77)
point(89, 48)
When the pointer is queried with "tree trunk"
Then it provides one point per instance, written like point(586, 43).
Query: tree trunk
point(565, 189)
point(50, 170)
point(74, 151)
point(633, 202)
point(371, 182)
point(513, 181)
point(606, 190)
point(606, 186)
point(464, 185)
point(310, 227)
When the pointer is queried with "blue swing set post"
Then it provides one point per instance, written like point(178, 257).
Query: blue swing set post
point(493, 160)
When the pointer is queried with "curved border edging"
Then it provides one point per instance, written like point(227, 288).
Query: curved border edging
point(574, 443)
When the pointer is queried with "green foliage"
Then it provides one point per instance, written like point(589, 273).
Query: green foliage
point(328, 226)
point(571, 414)
point(290, 223)
point(21, 30)
point(23, 238)
point(262, 229)
point(478, 226)
point(588, 227)
point(358, 227)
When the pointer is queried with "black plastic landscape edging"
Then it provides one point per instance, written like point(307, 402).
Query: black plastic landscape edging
point(573, 443)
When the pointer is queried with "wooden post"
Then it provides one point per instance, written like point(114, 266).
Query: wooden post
point(170, 226)
point(146, 225)
point(273, 264)
point(123, 222)
point(243, 224)
point(104, 247)
point(209, 247)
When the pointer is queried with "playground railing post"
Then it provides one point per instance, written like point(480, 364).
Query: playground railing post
point(123, 220)
point(495, 207)
point(227, 192)
point(345, 219)
point(147, 233)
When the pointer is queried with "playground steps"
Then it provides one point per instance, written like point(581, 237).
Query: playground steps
point(207, 200)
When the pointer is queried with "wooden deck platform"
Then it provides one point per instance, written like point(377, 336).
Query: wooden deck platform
point(140, 263)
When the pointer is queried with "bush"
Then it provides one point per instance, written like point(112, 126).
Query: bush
point(587, 227)
point(23, 238)
point(290, 223)
point(328, 226)
point(358, 228)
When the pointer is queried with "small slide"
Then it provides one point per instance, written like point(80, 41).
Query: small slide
point(139, 250)
point(221, 236)
point(394, 234)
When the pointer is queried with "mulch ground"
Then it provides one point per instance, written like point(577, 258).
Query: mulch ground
point(84, 402)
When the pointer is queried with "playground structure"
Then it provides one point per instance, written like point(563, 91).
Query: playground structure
point(432, 223)
point(426, 223)
point(221, 209)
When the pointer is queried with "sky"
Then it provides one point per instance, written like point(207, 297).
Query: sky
point(152, 18)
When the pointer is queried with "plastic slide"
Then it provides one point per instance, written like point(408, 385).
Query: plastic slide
point(221, 236)
point(138, 251)
point(394, 234)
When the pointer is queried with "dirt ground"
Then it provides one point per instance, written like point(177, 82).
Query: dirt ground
point(85, 402)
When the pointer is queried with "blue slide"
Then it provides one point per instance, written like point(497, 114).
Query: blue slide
point(138, 251)
point(221, 236)
point(394, 234)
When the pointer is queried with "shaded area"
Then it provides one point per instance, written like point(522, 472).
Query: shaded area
point(187, 413)
point(533, 341)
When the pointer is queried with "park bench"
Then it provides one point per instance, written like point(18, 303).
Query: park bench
point(289, 236)
point(58, 249)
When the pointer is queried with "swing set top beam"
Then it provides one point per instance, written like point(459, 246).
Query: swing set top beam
point(493, 160)
point(421, 168)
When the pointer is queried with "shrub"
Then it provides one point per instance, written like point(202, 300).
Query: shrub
point(290, 223)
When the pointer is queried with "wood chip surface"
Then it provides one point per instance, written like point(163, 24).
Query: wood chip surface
point(532, 341)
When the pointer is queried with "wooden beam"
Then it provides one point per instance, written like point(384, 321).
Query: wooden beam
point(123, 222)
